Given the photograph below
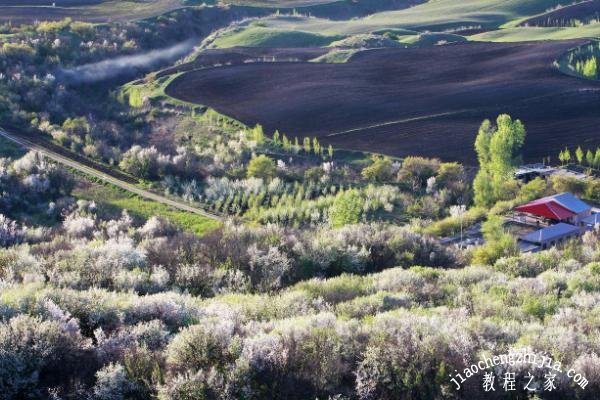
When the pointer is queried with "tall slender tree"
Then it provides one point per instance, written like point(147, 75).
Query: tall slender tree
point(498, 151)
point(306, 144)
point(579, 155)
point(589, 158)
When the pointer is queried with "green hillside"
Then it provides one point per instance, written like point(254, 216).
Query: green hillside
point(257, 36)
point(433, 16)
point(445, 16)
point(524, 34)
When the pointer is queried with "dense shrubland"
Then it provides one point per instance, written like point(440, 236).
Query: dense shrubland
point(88, 252)
point(103, 307)
point(32, 185)
point(386, 335)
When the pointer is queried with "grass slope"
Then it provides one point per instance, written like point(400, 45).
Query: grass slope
point(430, 39)
point(279, 3)
point(433, 16)
point(256, 36)
point(112, 199)
point(524, 34)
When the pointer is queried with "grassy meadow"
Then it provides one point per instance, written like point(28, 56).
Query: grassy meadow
point(112, 200)
point(257, 36)
point(498, 18)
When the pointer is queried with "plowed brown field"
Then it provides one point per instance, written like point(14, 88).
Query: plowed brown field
point(427, 101)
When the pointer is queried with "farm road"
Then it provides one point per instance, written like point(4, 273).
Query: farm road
point(93, 172)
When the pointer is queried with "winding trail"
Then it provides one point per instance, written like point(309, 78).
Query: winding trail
point(96, 173)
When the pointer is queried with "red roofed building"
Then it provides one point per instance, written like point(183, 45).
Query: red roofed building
point(546, 209)
point(563, 207)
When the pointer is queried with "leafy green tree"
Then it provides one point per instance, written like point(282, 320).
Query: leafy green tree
point(561, 183)
point(482, 142)
point(498, 151)
point(379, 171)
point(589, 158)
point(306, 145)
point(533, 189)
point(346, 209)
point(313, 174)
point(257, 134)
point(567, 155)
point(505, 145)
point(316, 147)
point(483, 189)
point(76, 126)
point(262, 167)
point(287, 145)
point(579, 155)
point(592, 190)
point(330, 151)
point(597, 158)
point(417, 170)
point(590, 68)
point(498, 242)
point(276, 137)
point(452, 178)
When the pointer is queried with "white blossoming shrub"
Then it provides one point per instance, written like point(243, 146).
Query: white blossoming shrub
point(156, 227)
point(173, 309)
point(30, 183)
point(153, 335)
point(412, 350)
point(112, 383)
point(37, 354)
point(302, 358)
point(78, 226)
point(201, 346)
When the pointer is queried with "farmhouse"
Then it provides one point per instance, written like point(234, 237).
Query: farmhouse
point(552, 235)
point(564, 216)
point(563, 207)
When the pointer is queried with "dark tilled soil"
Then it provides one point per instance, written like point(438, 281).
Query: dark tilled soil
point(427, 101)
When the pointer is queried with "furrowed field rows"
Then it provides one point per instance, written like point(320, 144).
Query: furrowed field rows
point(426, 101)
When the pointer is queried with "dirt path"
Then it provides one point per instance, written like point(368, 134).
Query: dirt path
point(64, 160)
